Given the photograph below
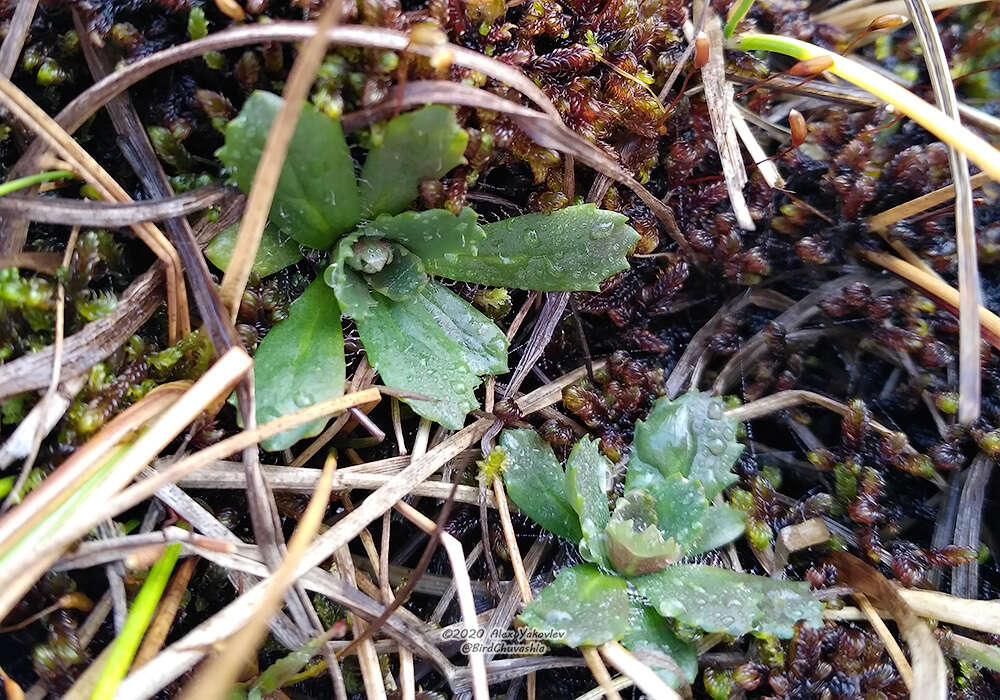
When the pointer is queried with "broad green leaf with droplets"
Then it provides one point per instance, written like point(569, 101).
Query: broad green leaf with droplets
point(571, 249)
point(483, 344)
point(681, 509)
point(536, 483)
point(300, 362)
point(720, 600)
point(412, 348)
point(582, 606)
point(431, 234)
point(317, 194)
point(419, 145)
point(723, 524)
point(690, 436)
point(635, 543)
point(648, 632)
point(587, 475)
point(276, 251)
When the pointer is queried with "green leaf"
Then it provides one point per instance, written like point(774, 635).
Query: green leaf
point(571, 249)
point(535, 482)
point(299, 362)
point(317, 195)
point(419, 145)
point(276, 251)
point(588, 473)
point(434, 344)
point(635, 543)
point(720, 600)
point(649, 632)
point(582, 606)
point(484, 345)
point(690, 436)
point(402, 278)
point(681, 509)
point(723, 524)
point(431, 234)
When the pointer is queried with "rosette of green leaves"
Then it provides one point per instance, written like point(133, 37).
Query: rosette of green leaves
point(682, 459)
point(419, 335)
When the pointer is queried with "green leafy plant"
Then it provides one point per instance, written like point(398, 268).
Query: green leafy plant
point(419, 335)
point(671, 507)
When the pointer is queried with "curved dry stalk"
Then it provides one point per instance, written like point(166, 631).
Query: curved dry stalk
point(796, 397)
point(930, 675)
point(272, 159)
point(83, 212)
point(858, 16)
point(178, 321)
point(969, 292)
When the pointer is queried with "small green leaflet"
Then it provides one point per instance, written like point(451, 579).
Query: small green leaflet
point(408, 345)
point(584, 605)
point(317, 195)
point(720, 600)
point(635, 543)
point(419, 145)
point(690, 436)
point(431, 234)
point(536, 483)
point(572, 249)
point(276, 251)
point(299, 362)
point(650, 636)
point(588, 473)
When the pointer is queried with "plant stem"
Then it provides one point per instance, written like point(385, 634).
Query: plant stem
point(127, 643)
point(934, 120)
point(736, 16)
point(29, 180)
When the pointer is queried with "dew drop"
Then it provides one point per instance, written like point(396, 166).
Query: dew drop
point(716, 446)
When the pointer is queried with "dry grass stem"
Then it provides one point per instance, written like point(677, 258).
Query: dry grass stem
point(891, 646)
point(216, 679)
point(463, 587)
point(936, 288)
point(885, 219)
point(970, 295)
point(600, 672)
point(644, 678)
point(166, 612)
point(272, 158)
point(719, 96)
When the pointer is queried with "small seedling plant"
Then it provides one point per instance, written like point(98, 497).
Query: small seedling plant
point(383, 260)
point(632, 588)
